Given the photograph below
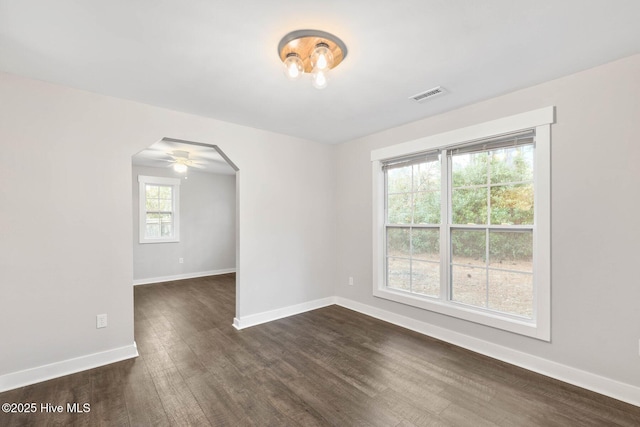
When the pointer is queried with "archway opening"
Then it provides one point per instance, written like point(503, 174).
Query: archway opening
point(185, 213)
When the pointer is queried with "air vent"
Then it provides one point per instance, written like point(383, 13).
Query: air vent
point(428, 94)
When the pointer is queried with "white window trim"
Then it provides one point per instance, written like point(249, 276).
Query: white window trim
point(142, 210)
point(540, 120)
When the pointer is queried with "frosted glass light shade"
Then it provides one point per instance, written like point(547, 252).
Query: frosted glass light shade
point(180, 167)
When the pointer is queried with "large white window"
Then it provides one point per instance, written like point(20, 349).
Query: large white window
point(159, 209)
point(462, 223)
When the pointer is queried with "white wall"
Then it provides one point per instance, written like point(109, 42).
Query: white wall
point(65, 210)
point(304, 215)
point(595, 208)
point(207, 228)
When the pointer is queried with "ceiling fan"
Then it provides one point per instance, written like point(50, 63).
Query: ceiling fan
point(181, 161)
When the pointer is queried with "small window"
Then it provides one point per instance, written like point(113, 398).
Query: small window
point(159, 209)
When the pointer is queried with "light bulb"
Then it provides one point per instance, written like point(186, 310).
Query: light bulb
point(319, 78)
point(180, 167)
point(322, 58)
point(293, 67)
point(322, 62)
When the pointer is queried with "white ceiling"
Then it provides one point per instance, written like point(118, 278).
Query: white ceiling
point(218, 58)
point(202, 159)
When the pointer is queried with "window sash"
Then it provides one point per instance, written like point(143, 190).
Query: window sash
point(446, 225)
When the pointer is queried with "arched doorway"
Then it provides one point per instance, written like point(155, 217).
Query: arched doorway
point(180, 165)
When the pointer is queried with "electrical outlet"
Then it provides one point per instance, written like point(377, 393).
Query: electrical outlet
point(181, 260)
point(101, 321)
point(350, 281)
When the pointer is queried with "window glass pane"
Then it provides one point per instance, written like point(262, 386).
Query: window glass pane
point(164, 205)
point(426, 176)
point(514, 164)
point(152, 230)
point(398, 244)
point(469, 206)
point(152, 226)
point(469, 169)
point(512, 204)
point(468, 247)
point(511, 250)
point(399, 273)
point(399, 208)
point(511, 292)
point(399, 180)
point(426, 207)
point(152, 190)
point(469, 285)
point(166, 229)
point(426, 243)
point(164, 192)
point(425, 278)
point(152, 204)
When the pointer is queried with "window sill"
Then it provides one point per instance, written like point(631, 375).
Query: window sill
point(460, 311)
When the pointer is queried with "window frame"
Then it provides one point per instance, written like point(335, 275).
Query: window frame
point(143, 180)
point(539, 120)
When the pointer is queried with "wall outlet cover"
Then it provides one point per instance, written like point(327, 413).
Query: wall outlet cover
point(101, 321)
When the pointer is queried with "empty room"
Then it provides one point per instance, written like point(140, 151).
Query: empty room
point(333, 213)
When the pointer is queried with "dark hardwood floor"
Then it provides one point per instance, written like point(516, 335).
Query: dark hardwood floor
point(330, 366)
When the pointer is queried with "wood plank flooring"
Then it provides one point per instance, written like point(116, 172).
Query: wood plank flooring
point(330, 366)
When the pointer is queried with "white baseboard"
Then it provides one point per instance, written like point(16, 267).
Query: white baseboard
point(182, 276)
point(70, 366)
point(268, 316)
point(606, 386)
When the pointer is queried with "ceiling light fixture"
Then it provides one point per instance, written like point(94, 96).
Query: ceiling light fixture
point(311, 52)
point(180, 167)
point(180, 160)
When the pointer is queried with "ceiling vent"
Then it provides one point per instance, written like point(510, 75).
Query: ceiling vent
point(438, 90)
